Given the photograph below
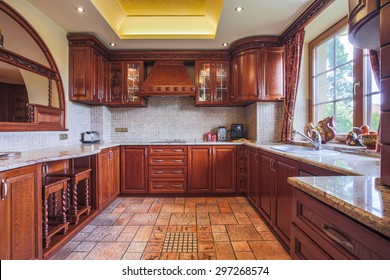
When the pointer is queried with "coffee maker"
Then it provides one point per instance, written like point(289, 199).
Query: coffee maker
point(237, 131)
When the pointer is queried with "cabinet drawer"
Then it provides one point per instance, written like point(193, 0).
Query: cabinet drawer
point(160, 171)
point(167, 186)
point(168, 150)
point(337, 234)
point(303, 248)
point(167, 160)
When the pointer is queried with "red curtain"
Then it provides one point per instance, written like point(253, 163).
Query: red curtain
point(374, 59)
point(294, 49)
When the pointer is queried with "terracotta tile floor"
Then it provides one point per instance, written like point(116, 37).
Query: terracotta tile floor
point(203, 228)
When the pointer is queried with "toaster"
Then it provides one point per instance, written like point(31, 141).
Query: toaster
point(90, 137)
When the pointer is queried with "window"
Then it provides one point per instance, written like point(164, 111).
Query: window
point(342, 82)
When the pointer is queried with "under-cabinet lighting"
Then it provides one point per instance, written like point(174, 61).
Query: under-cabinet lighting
point(225, 44)
point(80, 9)
point(239, 9)
point(112, 44)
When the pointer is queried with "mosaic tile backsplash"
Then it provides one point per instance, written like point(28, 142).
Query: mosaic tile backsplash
point(165, 118)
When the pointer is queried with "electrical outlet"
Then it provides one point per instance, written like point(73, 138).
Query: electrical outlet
point(121, 129)
point(63, 136)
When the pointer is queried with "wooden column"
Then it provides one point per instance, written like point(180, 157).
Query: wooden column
point(385, 91)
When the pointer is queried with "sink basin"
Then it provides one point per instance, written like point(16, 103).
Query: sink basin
point(304, 150)
point(7, 155)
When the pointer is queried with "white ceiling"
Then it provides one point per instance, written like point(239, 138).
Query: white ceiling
point(259, 17)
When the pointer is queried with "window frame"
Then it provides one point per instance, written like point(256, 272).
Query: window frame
point(358, 98)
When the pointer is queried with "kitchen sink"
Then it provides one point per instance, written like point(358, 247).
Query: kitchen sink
point(304, 150)
point(7, 155)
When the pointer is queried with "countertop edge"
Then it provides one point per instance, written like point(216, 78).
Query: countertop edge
point(354, 212)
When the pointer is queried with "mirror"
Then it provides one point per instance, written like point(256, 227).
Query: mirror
point(31, 91)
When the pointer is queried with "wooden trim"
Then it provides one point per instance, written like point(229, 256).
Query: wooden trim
point(304, 19)
point(50, 72)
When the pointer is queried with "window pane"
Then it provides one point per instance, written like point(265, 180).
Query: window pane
point(324, 110)
point(344, 81)
point(370, 81)
point(325, 56)
point(344, 50)
point(344, 116)
point(373, 110)
point(325, 87)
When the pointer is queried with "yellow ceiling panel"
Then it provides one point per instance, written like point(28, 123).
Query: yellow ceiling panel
point(169, 19)
point(163, 8)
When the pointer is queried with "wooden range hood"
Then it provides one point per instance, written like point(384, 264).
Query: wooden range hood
point(168, 78)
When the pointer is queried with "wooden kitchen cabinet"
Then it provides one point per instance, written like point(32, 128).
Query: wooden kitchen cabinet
point(87, 76)
point(167, 169)
point(258, 75)
point(212, 169)
point(212, 83)
point(20, 214)
point(275, 193)
point(242, 167)
point(108, 173)
point(363, 20)
point(134, 169)
point(321, 232)
point(124, 84)
point(253, 175)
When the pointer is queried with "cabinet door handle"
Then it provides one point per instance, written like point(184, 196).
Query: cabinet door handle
point(158, 186)
point(4, 189)
point(159, 151)
point(177, 150)
point(177, 171)
point(177, 185)
point(177, 160)
point(158, 160)
point(158, 172)
point(344, 243)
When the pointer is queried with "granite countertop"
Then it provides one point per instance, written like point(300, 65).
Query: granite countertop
point(359, 197)
point(348, 194)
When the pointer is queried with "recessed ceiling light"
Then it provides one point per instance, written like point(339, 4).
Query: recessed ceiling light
point(80, 9)
point(112, 44)
point(225, 44)
point(239, 9)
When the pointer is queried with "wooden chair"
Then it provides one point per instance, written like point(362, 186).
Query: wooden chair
point(78, 203)
point(53, 217)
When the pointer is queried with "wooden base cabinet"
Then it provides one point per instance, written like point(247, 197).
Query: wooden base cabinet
point(212, 169)
point(108, 176)
point(321, 232)
point(134, 169)
point(20, 214)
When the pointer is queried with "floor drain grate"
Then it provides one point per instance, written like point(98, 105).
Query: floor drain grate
point(182, 242)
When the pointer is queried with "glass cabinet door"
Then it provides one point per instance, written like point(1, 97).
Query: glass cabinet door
point(221, 82)
point(204, 84)
point(133, 82)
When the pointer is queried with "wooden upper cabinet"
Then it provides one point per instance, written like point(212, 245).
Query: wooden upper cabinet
point(258, 75)
point(364, 23)
point(20, 219)
point(87, 76)
point(245, 77)
point(212, 83)
point(124, 85)
point(272, 76)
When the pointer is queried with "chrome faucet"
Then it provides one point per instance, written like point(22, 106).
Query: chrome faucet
point(317, 142)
